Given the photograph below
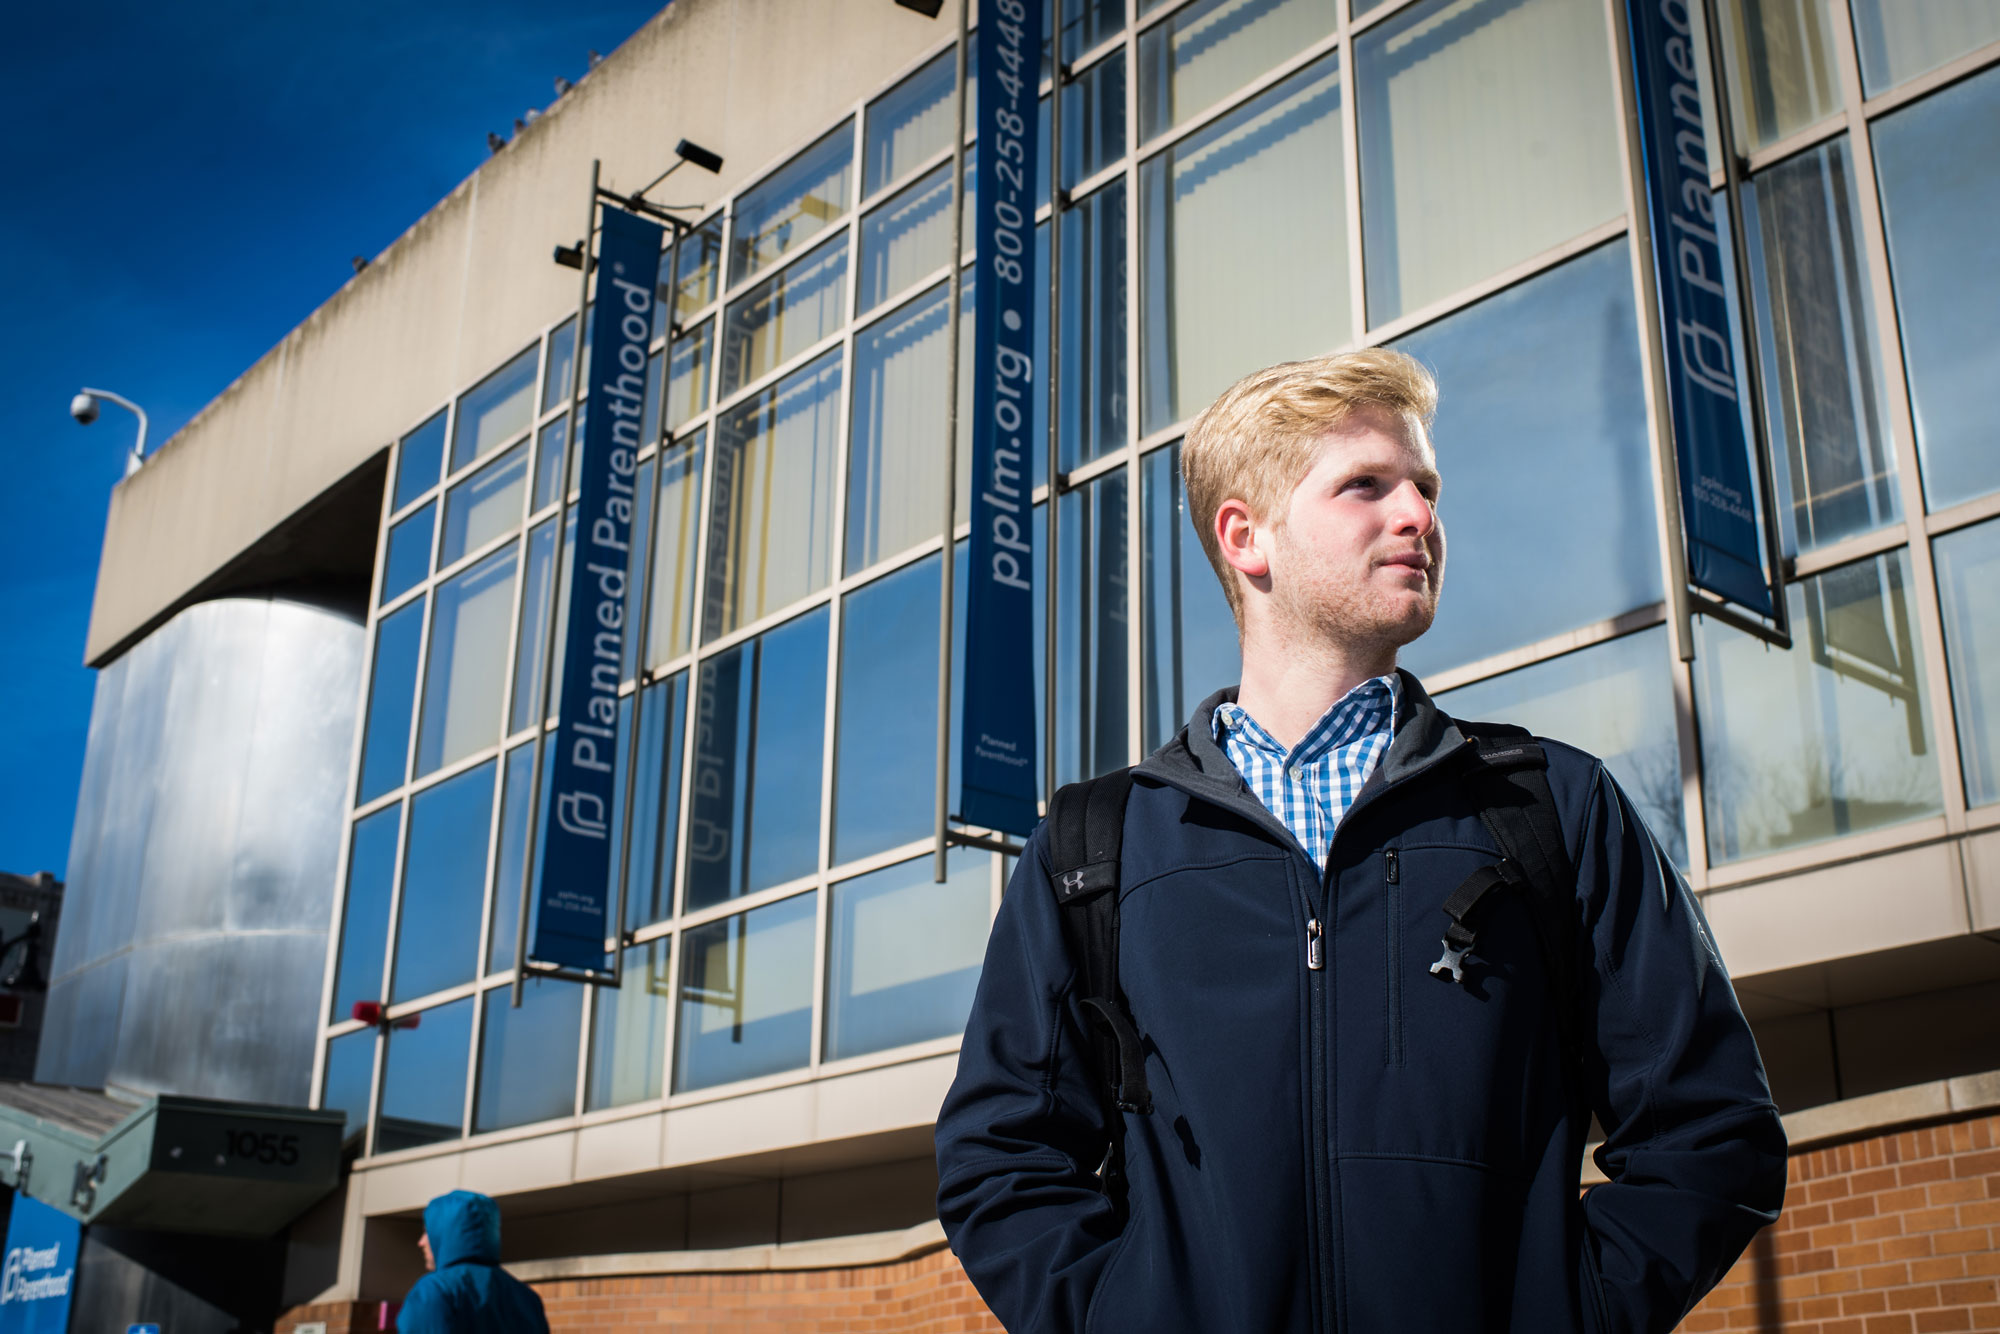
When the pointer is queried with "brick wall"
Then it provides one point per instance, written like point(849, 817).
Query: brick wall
point(927, 1295)
point(1894, 1234)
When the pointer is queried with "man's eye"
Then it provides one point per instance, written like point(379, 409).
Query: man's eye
point(1367, 483)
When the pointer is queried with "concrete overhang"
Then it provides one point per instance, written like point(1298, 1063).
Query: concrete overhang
point(169, 1163)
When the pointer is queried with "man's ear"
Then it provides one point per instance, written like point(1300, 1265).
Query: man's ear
point(1240, 540)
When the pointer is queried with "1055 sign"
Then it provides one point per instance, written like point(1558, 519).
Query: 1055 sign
point(264, 1146)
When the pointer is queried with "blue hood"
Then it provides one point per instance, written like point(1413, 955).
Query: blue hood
point(464, 1228)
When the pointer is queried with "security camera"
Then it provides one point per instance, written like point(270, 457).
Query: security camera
point(84, 407)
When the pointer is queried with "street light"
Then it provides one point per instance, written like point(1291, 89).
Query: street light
point(84, 407)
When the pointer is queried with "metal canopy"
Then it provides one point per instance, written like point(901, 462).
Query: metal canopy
point(165, 1162)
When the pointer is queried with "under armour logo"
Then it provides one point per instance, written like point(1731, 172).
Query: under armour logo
point(1072, 881)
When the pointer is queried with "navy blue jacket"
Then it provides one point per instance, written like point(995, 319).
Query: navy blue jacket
point(469, 1291)
point(1362, 1146)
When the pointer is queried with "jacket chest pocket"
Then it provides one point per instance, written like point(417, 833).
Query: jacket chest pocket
point(1463, 1029)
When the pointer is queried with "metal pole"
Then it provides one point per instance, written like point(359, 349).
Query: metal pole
point(138, 454)
point(942, 810)
point(1732, 186)
point(1057, 198)
point(555, 584)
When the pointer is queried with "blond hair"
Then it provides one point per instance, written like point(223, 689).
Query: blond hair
point(1259, 439)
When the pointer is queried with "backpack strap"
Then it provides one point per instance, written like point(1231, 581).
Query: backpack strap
point(1519, 811)
point(1086, 831)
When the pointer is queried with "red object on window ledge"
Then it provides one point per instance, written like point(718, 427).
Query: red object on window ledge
point(368, 1012)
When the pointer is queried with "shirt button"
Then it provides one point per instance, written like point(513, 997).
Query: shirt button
point(1298, 774)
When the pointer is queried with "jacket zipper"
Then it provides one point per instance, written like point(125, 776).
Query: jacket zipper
point(1392, 1054)
point(1320, 1189)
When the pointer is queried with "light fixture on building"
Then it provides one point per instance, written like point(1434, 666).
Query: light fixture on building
point(928, 8)
point(85, 407)
point(686, 152)
point(570, 256)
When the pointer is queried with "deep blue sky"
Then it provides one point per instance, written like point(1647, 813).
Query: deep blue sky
point(180, 185)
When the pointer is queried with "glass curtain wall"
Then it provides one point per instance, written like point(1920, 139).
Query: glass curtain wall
point(1247, 181)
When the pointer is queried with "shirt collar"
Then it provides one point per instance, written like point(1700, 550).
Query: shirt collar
point(1368, 708)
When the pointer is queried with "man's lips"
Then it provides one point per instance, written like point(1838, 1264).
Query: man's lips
point(1415, 562)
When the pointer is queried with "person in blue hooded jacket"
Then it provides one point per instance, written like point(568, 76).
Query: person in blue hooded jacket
point(1344, 1131)
point(467, 1289)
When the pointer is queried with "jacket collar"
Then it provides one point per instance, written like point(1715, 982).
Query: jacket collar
point(1194, 763)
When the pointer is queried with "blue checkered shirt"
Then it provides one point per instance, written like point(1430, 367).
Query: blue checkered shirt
point(1310, 787)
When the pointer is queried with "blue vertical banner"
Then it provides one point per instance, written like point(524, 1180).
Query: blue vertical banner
point(1705, 389)
point(998, 787)
point(573, 908)
point(38, 1274)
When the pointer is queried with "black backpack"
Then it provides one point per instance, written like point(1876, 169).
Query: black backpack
point(1086, 828)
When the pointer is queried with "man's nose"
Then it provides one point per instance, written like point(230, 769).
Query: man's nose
point(1414, 513)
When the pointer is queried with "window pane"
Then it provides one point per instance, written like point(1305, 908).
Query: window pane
point(512, 856)
point(350, 1075)
point(671, 629)
point(1831, 738)
point(1488, 135)
point(1899, 40)
point(656, 796)
point(532, 648)
point(687, 375)
point(1208, 50)
point(423, 1079)
point(385, 751)
point(1781, 76)
point(365, 913)
point(418, 461)
point(556, 383)
point(1093, 326)
point(746, 999)
point(895, 454)
point(635, 569)
point(1228, 289)
point(466, 667)
point(1088, 23)
point(759, 733)
point(649, 413)
point(628, 1031)
point(783, 317)
point(700, 265)
point(793, 205)
point(1509, 447)
point(549, 459)
point(408, 561)
point(1940, 194)
point(885, 766)
point(1091, 600)
point(771, 511)
point(908, 237)
point(444, 885)
point(1617, 702)
point(484, 506)
point(1968, 571)
point(1093, 120)
point(911, 122)
point(364, 925)
point(1822, 386)
point(496, 411)
point(905, 953)
point(1190, 645)
point(527, 1057)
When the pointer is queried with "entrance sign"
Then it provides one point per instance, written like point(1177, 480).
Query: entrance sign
point(572, 907)
point(1705, 388)
point(38, 1274)
point(999, 776)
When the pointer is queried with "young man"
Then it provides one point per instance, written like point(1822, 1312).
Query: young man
point(1346, 1131)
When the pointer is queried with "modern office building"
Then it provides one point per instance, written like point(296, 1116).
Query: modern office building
point(742, 1126)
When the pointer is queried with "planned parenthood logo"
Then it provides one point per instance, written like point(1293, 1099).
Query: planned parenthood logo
point(30, 1274)
point(39, 1268)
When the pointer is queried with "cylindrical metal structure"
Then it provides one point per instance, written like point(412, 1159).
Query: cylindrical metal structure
point(202, 863)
